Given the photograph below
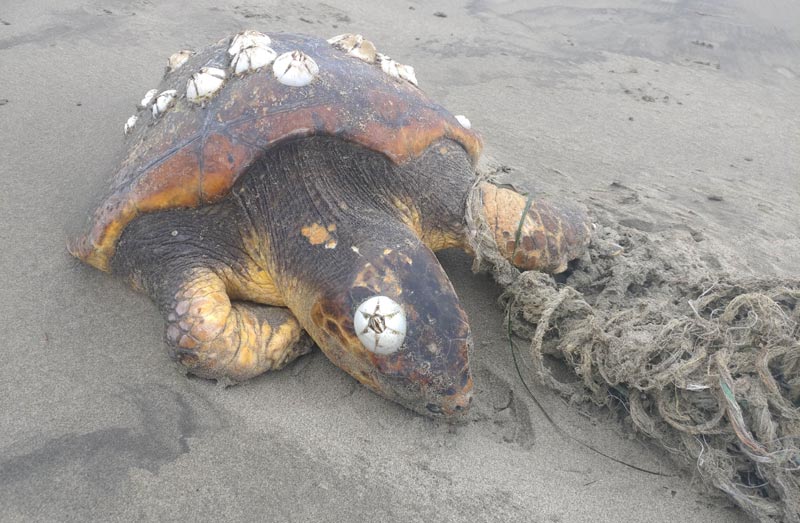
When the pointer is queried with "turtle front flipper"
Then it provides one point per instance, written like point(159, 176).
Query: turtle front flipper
point(214, 338)
point(531, 233)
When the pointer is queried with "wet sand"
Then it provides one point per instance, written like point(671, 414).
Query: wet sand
point(660, 116)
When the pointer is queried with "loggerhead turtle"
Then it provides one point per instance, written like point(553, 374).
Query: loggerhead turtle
point(276, 186)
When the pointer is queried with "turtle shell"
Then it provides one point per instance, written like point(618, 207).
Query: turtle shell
point(191, 154)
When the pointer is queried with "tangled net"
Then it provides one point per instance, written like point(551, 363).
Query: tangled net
point(705, 364)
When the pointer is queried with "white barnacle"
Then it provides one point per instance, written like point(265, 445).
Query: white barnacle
point(355, 45)
point(130, 123)
point(295, 69)
point(252, 58)
point(406, 72)
point(388, 65)
point(397, 70)
point(202, 85)
point(366, 52)
point(178, 59)
point(464, 121)
point(148, 98)
point(380, 324)
point(164, 101)
point(341, 40)
point(248, 38)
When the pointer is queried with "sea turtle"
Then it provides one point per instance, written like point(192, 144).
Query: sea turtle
point(280, 185)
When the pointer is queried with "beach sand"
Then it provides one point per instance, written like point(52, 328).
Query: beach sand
point(661, 116)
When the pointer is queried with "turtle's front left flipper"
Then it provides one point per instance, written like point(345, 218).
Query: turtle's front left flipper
point(531, 233)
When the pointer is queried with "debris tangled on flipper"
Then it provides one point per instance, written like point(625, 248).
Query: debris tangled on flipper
point(706, 364)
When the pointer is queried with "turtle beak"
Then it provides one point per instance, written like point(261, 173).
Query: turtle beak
point(430, 372)
point(453, 405)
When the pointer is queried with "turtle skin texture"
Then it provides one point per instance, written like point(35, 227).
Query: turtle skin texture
point(260, 220)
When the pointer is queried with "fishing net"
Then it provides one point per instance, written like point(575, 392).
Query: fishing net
point(706, 364)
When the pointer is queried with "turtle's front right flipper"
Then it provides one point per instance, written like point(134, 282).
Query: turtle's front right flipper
point(531, 233)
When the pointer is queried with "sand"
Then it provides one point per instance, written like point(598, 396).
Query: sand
point(663, 116)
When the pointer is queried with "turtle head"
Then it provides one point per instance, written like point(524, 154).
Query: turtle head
point(395, 324)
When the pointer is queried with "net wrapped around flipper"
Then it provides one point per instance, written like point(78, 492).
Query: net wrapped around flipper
point(706, 364)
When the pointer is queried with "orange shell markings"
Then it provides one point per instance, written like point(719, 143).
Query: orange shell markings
point(192, 155)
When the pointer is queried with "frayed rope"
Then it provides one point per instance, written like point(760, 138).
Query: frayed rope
point(706, 364)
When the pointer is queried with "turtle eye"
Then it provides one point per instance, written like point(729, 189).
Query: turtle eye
point(380, 324)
